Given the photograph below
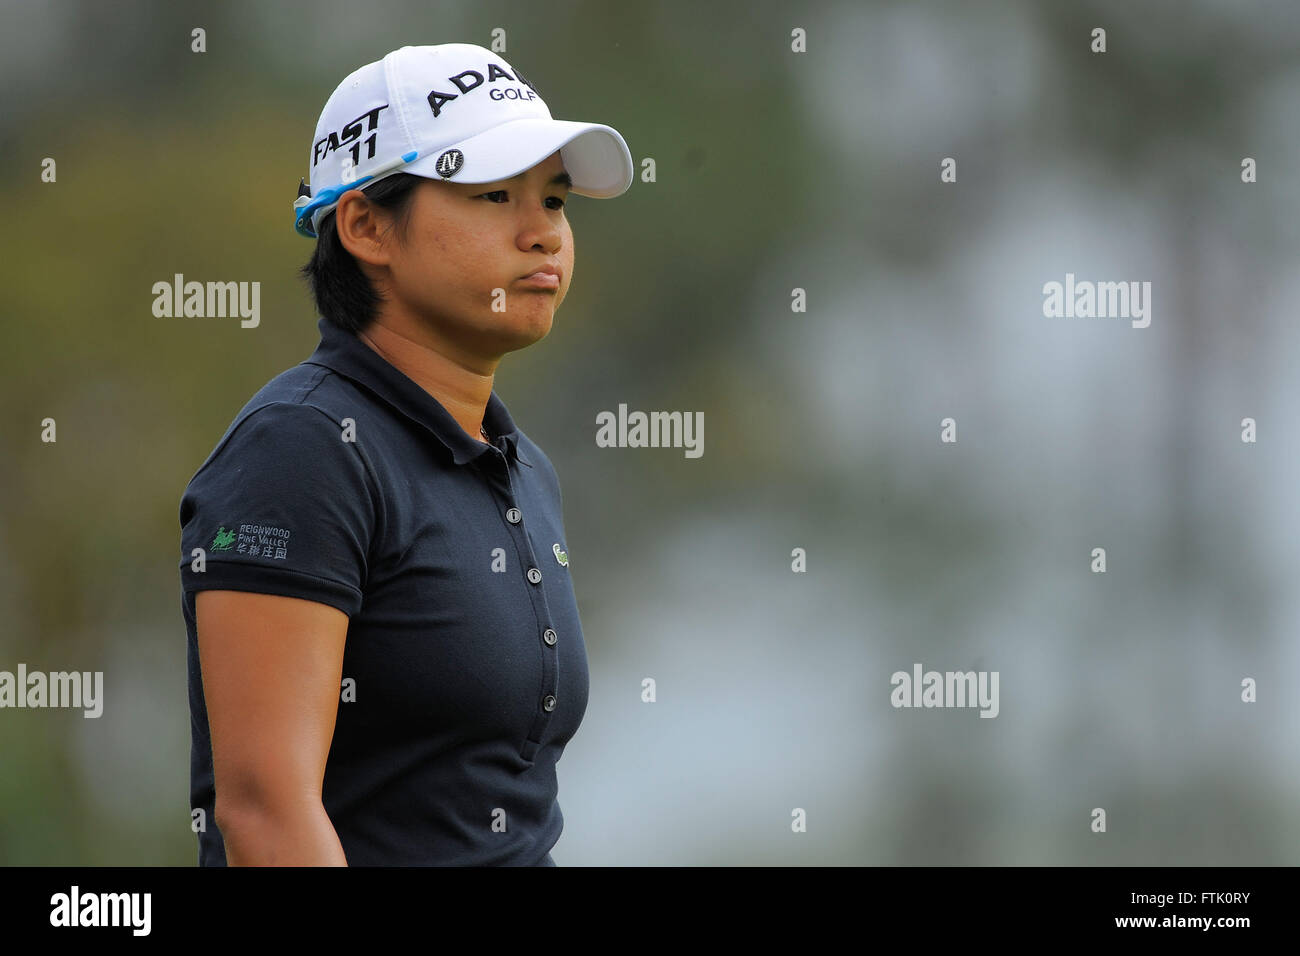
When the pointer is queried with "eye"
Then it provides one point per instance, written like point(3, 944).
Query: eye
point(505, 194)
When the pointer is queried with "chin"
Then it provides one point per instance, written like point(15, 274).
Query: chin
point(538, 320)
point(529, 332)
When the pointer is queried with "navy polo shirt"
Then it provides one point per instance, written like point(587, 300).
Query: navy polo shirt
point(464, 670)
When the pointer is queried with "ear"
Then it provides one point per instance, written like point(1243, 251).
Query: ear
point(360, 228)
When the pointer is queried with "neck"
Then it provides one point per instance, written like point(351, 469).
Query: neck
point(433, 363)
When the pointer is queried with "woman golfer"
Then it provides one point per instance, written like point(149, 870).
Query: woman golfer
point(385, 657)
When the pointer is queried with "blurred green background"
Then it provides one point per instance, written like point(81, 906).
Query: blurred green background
point(775, 171)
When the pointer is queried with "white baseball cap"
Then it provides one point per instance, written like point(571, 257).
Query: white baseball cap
point(456, 112)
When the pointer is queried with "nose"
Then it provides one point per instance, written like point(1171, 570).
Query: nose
point(540, 228)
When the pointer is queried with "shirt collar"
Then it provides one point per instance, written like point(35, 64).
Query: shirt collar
point(352, 358)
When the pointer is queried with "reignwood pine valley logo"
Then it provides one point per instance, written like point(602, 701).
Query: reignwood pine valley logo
point(254, 540)
point(213, 300)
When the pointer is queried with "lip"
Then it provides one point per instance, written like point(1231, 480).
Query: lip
point(543, 277)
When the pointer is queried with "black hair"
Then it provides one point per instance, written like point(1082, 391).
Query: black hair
point(343, 294)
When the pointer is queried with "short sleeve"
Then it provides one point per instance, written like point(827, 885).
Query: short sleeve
point(284, 505)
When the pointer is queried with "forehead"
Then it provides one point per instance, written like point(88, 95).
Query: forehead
point(548, 174)
point(549, 168)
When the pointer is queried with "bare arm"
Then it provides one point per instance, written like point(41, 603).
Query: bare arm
point(272, 668)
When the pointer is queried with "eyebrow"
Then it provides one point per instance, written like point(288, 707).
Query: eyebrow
point(559, 179)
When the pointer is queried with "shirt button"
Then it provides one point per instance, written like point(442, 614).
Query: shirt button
point(513, 516)
point(534, 575)
point(548, 702)
point(548, 636)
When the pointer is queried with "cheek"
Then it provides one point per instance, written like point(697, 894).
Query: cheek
point(441, 257)
point(567, 255)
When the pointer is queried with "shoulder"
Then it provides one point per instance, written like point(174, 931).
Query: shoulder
point(299, 396)
point(293, 431)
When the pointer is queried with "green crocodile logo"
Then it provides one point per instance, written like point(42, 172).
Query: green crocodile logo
point(223, 540)
point(561, 556)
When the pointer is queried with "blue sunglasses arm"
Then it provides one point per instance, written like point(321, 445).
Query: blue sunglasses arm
point(332, 193)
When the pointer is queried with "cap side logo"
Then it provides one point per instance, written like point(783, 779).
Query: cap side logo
point(351, 139)
point(449, 163)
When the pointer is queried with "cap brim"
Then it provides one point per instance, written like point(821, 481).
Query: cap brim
point(595, 156)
